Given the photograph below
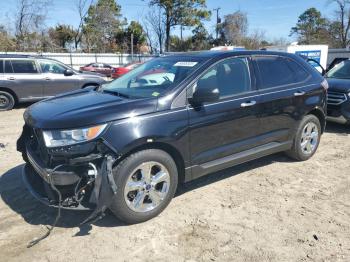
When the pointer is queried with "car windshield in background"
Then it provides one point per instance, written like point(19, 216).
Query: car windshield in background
point(153, 78)
point(341, 71)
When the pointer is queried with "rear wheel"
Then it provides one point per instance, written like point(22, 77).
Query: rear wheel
point(7, 101)
point(146, 182)
point(307, 138)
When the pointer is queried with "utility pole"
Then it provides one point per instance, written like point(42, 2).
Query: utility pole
point(132, 47)
point(218, 21)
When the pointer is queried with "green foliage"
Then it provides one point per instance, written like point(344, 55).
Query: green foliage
point(181, 12)
point(311, 27)
point(62, 35)
point(101, 25)
point(123, 38)
point(7, 43)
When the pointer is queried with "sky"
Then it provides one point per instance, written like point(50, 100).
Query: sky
point(274, 17)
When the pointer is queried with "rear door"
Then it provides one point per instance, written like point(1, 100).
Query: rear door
point(55, 81)
point(230, 125)
point(283, 86)
point(22, 76)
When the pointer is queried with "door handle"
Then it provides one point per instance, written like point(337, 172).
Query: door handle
point(247, 104)
point(11, 78)
point(299, 93)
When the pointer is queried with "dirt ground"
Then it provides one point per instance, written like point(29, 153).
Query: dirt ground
point(272, 209)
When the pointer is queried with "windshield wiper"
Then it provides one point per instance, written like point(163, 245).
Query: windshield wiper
point(115, 93)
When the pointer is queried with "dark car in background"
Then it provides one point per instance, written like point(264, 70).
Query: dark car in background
point(339, 93)
point(127, 145)
point(101, 68)
point(119, 71)
point(28, 79)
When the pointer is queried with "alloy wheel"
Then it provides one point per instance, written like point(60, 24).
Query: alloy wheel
point(147, 186)
point(309, 138)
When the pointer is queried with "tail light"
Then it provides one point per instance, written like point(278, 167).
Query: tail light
point(325, 84)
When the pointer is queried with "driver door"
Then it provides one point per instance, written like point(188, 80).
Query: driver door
point(218, 130)
point(56, 81)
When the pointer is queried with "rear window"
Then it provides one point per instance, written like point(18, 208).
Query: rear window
point(1, 66)
point(24, 66)
point(278, 71)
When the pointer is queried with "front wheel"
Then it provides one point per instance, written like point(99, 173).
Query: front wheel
point(146, 181)
point(307, 138)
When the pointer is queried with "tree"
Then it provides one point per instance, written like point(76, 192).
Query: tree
point(123, 38)
point(7, 43)
point(83, 8)
point(339, 29)
point(62, 35)
point(181, 12)
point(311, 27)
point(255, 41)
point(200, 38)
point(235, 27)
point(101, 25)
point(155, 28)
point(30, 16)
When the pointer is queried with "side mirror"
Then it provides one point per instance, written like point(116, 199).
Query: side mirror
point(68, 72)
point(205, 94)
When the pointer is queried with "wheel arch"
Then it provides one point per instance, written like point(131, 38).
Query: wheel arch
point(8, 90)
point(319, 113)
point(90, 84)
point(171, 150)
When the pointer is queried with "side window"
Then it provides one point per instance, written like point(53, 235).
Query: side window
point(51, 67)
point(300, 74)
point(231, 77)
point(1, 66)
point(24, 67)
point(278, 71)
point(8, 67)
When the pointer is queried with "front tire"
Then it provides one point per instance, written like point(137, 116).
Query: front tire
point(307, 138)
point(146, 181)
point(7, 101)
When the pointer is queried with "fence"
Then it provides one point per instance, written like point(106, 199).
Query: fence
point(80, 59)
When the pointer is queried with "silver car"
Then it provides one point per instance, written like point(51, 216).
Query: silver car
point(28, 79)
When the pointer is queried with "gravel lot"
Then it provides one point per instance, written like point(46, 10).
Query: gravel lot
point(272, 209)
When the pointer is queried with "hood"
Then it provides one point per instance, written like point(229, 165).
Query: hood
point(85, 108)
point(339, 85)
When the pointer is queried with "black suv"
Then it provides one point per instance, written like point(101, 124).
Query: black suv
point(126, 145)
point(339, 93)
point(26, 78)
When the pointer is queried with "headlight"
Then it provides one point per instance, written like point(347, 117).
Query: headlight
point(54, 138)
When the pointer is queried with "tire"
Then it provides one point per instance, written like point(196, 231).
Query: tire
point(311, 140)
point(7, 101)
point(129, 172)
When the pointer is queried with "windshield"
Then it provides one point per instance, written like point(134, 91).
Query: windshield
point(341, 70)
point(153, 78)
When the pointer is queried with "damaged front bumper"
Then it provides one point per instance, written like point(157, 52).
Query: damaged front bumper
point(82, 174)
point(41, 190)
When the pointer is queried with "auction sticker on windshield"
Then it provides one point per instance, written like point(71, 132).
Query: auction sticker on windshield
point(186, 64)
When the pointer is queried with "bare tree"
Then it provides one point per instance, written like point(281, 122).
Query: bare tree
point(342, 22)
point(155, 23)
point(235, 27)
point(83, 8)
point(30, 19)
point(255, 40)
